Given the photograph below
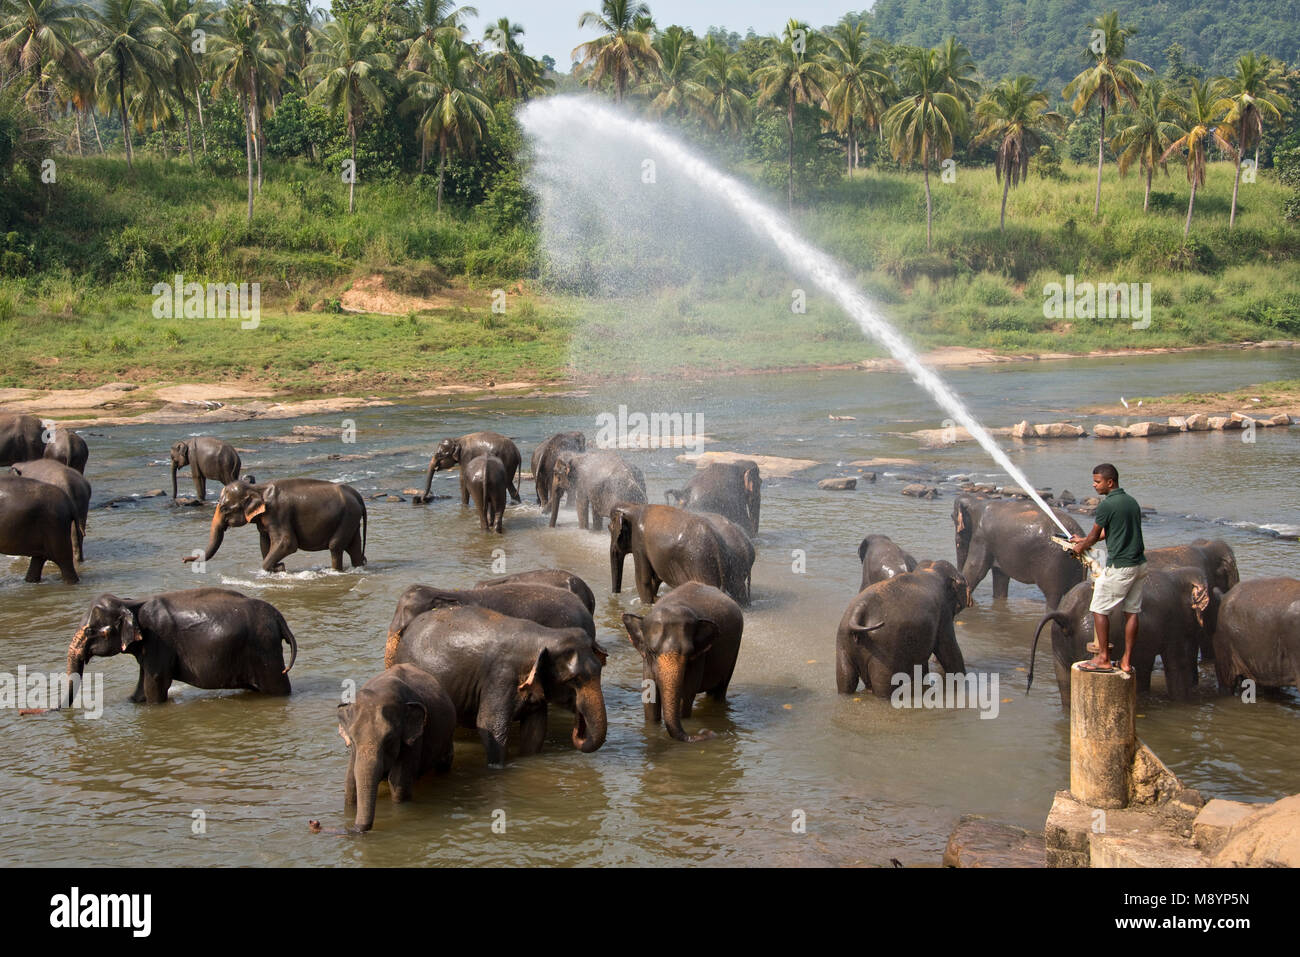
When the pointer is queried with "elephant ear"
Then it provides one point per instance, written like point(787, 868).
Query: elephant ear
point(532, 687)
point(128, 630)
point(345, 722)
point(413, 722)
point(635, 631)
point(601, 654)
point(706, 631)
point(1200, 602)
point(862, 549)
point(257, 503)
point(1227, 571)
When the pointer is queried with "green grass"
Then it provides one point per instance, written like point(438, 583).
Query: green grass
point(75, 303)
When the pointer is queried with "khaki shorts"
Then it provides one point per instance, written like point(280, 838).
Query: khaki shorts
point(1116, 585)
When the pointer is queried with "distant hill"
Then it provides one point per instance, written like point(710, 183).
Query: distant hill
point(1046, 38)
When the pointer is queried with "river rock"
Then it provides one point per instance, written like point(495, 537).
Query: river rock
point(838, 484)
point(1092, 500)
point(1268, 838)
point(978, 842)
point(1280, 419)
point(1143, 430)
point(1219, 422)
point(1197, 422)
point(1103, 431)
point(921, 491)
point(1178, 423)
point(1021, 429)
point(1066, 498)
point(1216, 819)
point(869, 476)
point(1059, 430)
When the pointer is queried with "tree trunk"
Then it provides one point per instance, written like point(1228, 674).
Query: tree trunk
point(189, 133)
point(1236, 180)
point(424, 150)
point(1190, 203)
point(850, 148)
point(248, 149)
point(352, 182)
point(1006, 188)
point(256, 113)
point(121, 102)
point(1146, 200)
point(1101, 156)
point(94, 125)
point(789, 182)
point(203, 129)
point(76, 118)
point(442, 165)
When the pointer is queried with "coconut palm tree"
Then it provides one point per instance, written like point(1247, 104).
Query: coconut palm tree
point(1015, 116)
point(723, 81)
point(179, 19)
point(354, 71)
point(793, 73)
point(429, 18)
point(1245, 101)
point(511, 73)
point(674, 88)
point(1143, 135)
point(923, 125)
point(1110, 79)
point(129, 43)
point(451, 109)
point(1192, 128)
point(958, 68)
point(37, 33)
point(623, 50)
point(859, 87)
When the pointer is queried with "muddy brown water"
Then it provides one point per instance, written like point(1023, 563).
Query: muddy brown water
point(871, 782)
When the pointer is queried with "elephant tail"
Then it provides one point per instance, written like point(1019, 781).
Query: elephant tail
point(1054, 616)
point(78, 534)
point(365, 529)
point(287, 637)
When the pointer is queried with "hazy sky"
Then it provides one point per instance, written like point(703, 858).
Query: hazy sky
point(551, 26)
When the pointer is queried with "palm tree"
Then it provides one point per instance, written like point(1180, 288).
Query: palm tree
point(958, 68)
point(792, 74)
point(428, 19)
point(1014, 115)
point(1194, 126)
point(129, 45)
point(858, 83)
point(1108, 80)
point(179, 19)
point(353, 70)
point(723, 80)
point(452, 111)
point(675, 88)
point(246, 55)
point(925, 123)
point(38, 33)
point(1143, 135)
point(1245, 101)
point(624, 48)
point(511, 73)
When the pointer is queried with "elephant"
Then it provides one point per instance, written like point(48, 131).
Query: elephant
point(1177, 608)
point(688, 643)
point(882, 558)
point(452, 452)
point(893, 627)
point(543, 604)
point(399, 727)
point(484, 477)
point(543, 460)
point(732, 489)
point(739, 546)
point(1213, 556)
point(671, 546)
point(600, 480)
point(294, 514)
point(206, 637)
point(69, 448)
point(22, 438)
point(39, 520)
point(555, 577)
point(208, 458)
point(1256, 633)
point(1013, 539)
point(73, 484)
point(499, 669)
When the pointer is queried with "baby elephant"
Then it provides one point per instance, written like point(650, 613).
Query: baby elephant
point(399, 728)
point(688, 642)
point(485, 478)
point(893, 626)
point(882, 558)
point(206, 637)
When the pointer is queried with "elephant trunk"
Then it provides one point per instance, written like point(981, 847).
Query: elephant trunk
point(1055, 616)
point(428, 478)
point(174, 467)
point(755, 504)
point(216, 533)
point(557, 493)
point(589, 725)
point(76, 660)
point(672, 669)
point(367, 782)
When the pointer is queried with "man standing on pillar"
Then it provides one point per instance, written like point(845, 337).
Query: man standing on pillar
point(1118, 520)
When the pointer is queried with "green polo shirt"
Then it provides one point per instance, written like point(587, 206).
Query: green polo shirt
point(1121, 516)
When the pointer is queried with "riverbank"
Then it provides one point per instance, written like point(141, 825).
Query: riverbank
point(139, 403)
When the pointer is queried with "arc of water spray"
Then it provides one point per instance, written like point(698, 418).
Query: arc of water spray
point(802, 256)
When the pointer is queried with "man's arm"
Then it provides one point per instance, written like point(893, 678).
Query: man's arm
point(1082, 543)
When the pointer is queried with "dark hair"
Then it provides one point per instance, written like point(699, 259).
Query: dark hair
point(1107, 471)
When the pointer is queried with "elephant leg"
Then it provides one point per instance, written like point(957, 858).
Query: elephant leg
point(200, 484)
point(583, 502)
point(401, 780)
point(688, 704)
point(34, 568)
point(646, 586)
point(137, 696)
point(532, 731)
point(68, 571)
point(846, 670)
point(263, 540)
point(1001, 582)
point(156, 685)
point(947, 652)
point(356, 550)
point(280, 549)
point(336, 559)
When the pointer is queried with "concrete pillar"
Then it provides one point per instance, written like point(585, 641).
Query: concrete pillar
point(1103, 736)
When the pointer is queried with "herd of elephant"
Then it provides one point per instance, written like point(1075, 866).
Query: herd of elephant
point(505, 650)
